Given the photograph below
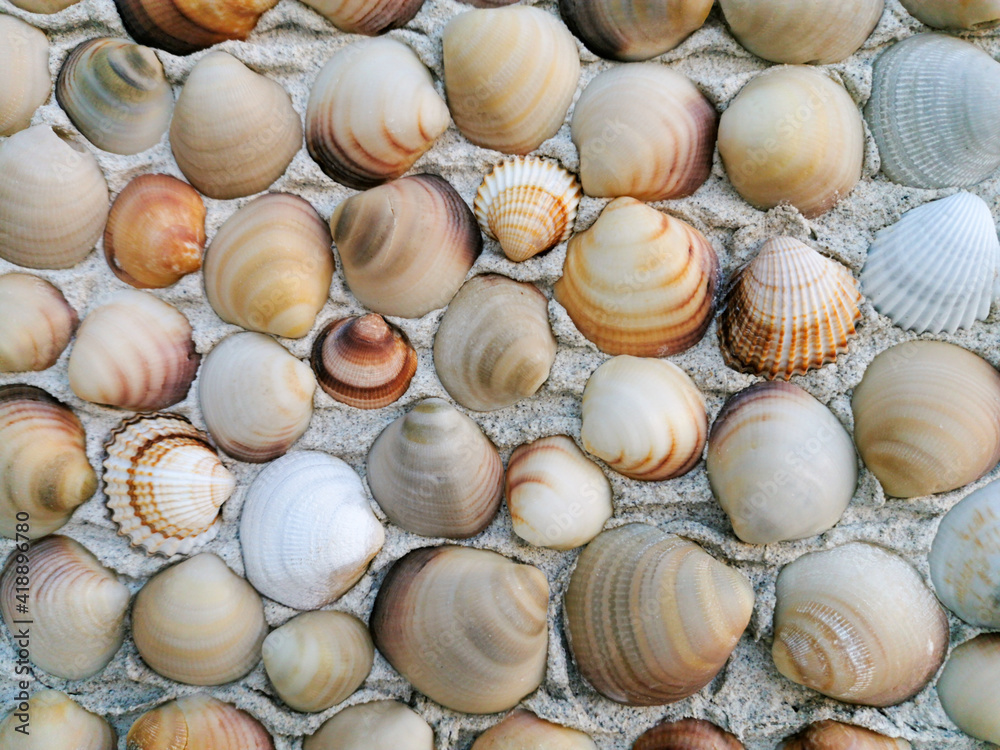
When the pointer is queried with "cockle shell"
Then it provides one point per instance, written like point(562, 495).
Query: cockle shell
point(199, 623)
point(269, 266)
point(43, 6)
point(639, 282)
point(434, 473)
point(185, 26)
point(510, 75)
point(644, 131)
point(522, 729)
point(651, 617)
point(494, 345)
point(197, 722)
point(467, 627)
point(369, 17)
point(927, 418)
point(25, 85)
point(307, 530)
point(380, 725)
point(38, 323)
point(77, 606)
point(403, 113)
point(947, 14)
point(968, 687)
point(857, 623)
point(687, 734)
point(832, 735)
point(56, 722)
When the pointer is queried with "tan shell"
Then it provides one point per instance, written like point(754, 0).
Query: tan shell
point(197, 722)
point(38, 323)
point(380, 724)
point(832, 735)
point(25, 84)
point(185, 26)
point(370, 17)
point(522, 729)
point(948, 14)
point(57, 721)
point(43, 6)
point(687, 734)
point(968, 687)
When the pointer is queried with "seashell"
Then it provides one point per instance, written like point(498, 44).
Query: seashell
point(795, 136)
point(317, 659)
point(968, 687)
point(934, 270)
point(927, 418)
point(156, 232)
point(43, 6)
point(116, 94)
point(780, 464)
point(407, 246)
point(522, 729)
point(557, 497)
point(291, 558)
point(234, 132)
point(77, 606)
point(56, 722)
point(933, 111)
point(947, 14)
point(788, 311)
point(434, 473)
point(528, 205)
point(185, 26)
point(403, 113)
point(858, 624)
point(363, 361)
point(380, 725)
point(639, 282)
point(687, 734)
point(369, 17)
point(38, 323)
point(199, 623)
point(645, 418)
point(494, 345)
point(269, 266)
point(195, 722)
point(44, 472)
point(652, 618)
point(510, 75)
point(25, 86)
point(256, 398)
point(165, 484)
point(644, 131)
point(53, 200)
point(135, 352)
point(467, 627)
point(832, 735)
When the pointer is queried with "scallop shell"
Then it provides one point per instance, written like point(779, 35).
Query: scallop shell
point(77, 607)
point(199, 623)
point(927, 418)
point(639, 282)
point(644, 131)
point(256, 398)
point(135, 352)
point(56, 721)
point(38, 323)
point(522, 729)
point(832, 735)
point(25, 84)
point(788, 311)
point(687, 734)
point(652, 618)
point(968, 687)
point(467, 627)
point(185, 26)
point(792, 135)
point(197, 722)
point(307, 530)
point(645, 418)
point(858, 624)
point(510, 75)
point(234, 132)
point(494, 345)
point(434, 473)
point(407, 246)
point(403, 113)
point(934, 270)
point(379, 725)
point(947, 14)
point(369, 17)
point(269, 267)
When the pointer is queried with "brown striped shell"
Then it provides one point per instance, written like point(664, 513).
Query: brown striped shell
point(369, 17)
point(833, 735)
point(687, 734)
point(197, 722)
point(185, 26)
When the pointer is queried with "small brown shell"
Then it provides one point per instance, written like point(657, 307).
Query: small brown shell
point(185, 26)
point(197, 722)
point(832, 735)
point(369, 17)
point(687, 734)
point(37, 323)
point(522, 730)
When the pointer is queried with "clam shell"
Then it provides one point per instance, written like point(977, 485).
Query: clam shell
point(968, 687)
point(185, 26)
point(927, 418)
point(199, 623)
point(494, 345)
point(644, 131)
point(858, 624)
point(467, 627)
point(522, 729)
point(369, 17)
point(38, 323)
point(788, 311)
point(832, 735)
point(687, 734)
point(380, 725)
point(197, 722)
point(57, 721)
point(269, 266)
point(43, 6)
point(402, 113)
point(510, 75)
point(645, 418)
point(77, 606)
point(639, 282)
point(434, 473)
point(947, 14)
point(25, 84)
point(307, 530)
point(652, 618)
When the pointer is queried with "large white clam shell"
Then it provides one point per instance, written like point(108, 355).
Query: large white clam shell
point(25, 82)
point(379, 725)
point(949, 14)
point(197, 722)
point(968, 687)
point(38, 323)
point(56, 722)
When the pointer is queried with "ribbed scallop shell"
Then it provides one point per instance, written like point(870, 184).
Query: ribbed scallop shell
point(858, 624)
point(56, 721)
point(197, 722)
point(651, 617)
point(968, 687)
point(832, 735)
point(687, 734)
point(927, 418)
point(380, 724)
point(369, 17)
point(25, 83)
point(510, 75)
point(644, 131)
point(522, 729)
point(38, 323)
point(185, 26)
point(947, 14)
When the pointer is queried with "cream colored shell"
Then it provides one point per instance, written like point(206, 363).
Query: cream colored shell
point(832, 735)
point(197, 722)
point(38, 323)
point(968, 687)
point(25, 83)
point(380, 724)
point(522, 730)
point(43, 6)
point(948, 14)
point(56, 721)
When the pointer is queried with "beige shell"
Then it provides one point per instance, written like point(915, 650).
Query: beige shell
point(234, 132)
point(380, 724)
point(269, 266)
point(197, 722)
point(792, 135)
point(651, 617)
point(858, 624)
point(467, 627)
point(25, 84)
point(43, 6)
point(521, 730)
point(494, 345)
point(687, 734)
point(948, 14)
point(185, 26)
point(56, 722)
point(639, 282)
point(968, 687)
point(510, 75)
point(832, 735)
point(370, 17)
point(38, 323)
